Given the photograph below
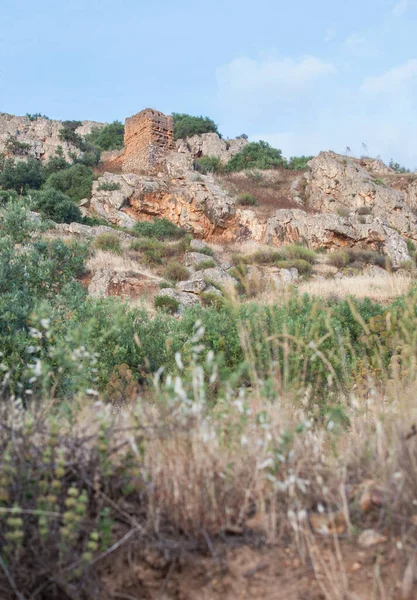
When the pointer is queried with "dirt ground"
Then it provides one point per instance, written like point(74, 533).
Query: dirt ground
point(330, 571)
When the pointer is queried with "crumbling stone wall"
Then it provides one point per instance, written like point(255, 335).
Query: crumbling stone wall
point(149, 135)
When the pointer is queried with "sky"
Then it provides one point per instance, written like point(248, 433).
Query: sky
point(304, 75)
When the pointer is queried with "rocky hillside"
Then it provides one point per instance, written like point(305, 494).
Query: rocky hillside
point(37, 136)
point(334, 204)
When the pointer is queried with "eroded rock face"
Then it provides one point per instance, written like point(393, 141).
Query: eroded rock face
point(41, 134)
point(210, 144)
point(125, 285)
point(331, 231)
point(337, 183)
point(199, 205)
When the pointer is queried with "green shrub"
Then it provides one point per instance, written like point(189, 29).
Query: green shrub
point(296, 251)
point(110, 242)
point(397, 167)
point(8, 196)
point(297, 163)
point(263, 257)
point(212, 300)
point(57, 206)
point(68, 134)
point(411, 247)
point(167, 304)
point(109, 186)
point(56, 163)
point(161, 229)
point(152, 250)
point(175, 271)
point(187, 126)
point(76, 182)
point(206, 264)
point(256, 155)
point(379, 181)
point(208, 164)
point(109, 137)
point(36, 116)
point(164, 285)
point(302, 266)
point(206, 250)
point(246, 200)
point(338, 258)
point(22, 175)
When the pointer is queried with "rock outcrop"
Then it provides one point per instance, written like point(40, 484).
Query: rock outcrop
point(41, 134)
point(338, 183)
point(330, 231)
point(210, 144)
point(198, 204)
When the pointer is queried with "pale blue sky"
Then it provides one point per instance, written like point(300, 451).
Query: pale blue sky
point(305, 75)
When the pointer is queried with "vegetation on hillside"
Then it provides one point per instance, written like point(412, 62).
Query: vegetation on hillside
point(109, 137)
point(187, 125)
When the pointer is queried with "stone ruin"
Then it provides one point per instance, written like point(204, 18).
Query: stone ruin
point(149, 135)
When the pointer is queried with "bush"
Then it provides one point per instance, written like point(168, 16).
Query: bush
point(297, 163)
point(338, 259)
point(187, 126)
point(8, 196)
point(206, 264)
point(212, 300)
point(379, 181)
point(56, 163)
point(109, 242)
point(109, 186)
point(208, 164)
point(160, 229)
point(175, 271)
point(68, 134)
point(167, 304)
point(397, 167)
point(76, 182)
point(206, 250)
point(302, 266)
point(261, 257)
point(246, 200)
point(109, 137)
point(57, 206)
point(256, 155)
point(296, 251)
point(22, 175)
point(152, 250)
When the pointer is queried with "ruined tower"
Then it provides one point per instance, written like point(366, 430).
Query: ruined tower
point(149, 135)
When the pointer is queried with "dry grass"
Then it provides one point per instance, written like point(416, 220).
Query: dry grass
point(118, 264)
point(381, 288)
point(271, 189)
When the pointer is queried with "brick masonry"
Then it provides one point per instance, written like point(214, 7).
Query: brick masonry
point(149, 135)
